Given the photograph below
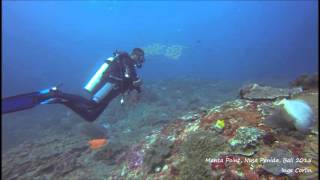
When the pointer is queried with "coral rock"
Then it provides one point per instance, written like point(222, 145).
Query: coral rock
point(306, 82)
point(246, 140)
point(257, 92)
point(156, 154)
point(280, 167)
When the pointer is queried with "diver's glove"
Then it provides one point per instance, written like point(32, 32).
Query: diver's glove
point(137, 83)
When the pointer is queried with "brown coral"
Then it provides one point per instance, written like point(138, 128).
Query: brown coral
point(174, 128)
point(242, 116)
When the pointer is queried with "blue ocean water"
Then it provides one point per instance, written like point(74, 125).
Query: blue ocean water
point(47, 43)
point(223, 45)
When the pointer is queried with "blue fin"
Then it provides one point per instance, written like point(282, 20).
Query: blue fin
point(29, 100)
point(19, 102)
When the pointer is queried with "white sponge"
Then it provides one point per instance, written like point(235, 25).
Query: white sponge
point(300, 113)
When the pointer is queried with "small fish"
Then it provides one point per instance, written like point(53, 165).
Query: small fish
point(97, 143)
point(219, 124)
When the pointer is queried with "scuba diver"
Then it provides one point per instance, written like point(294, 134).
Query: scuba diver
point(116, 76)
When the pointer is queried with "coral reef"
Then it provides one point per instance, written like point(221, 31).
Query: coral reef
point(298, 112)
point(195, 170)
point(49, 158)
point(290, 115)
point(280, 162)
point(311, 152)
point(110, 154)
point(257, 92)
point(198, 147)
point(203, 144)
point(158, 138)
point(155, 155)
point(307, 82)
point(246, 140)
point(269, 138)
point(135, 158)
point(277, 120)
point(190, 116)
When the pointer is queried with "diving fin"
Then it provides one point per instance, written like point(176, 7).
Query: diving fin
point(29, 100)
point(19, 102)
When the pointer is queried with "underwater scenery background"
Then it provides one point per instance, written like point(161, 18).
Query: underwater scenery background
point(198, 55)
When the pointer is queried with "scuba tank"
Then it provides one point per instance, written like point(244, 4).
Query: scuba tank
point(103, 91)
point(97, 85)
point(96, 81)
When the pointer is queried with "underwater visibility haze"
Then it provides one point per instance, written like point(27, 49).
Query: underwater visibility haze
point(214, 75)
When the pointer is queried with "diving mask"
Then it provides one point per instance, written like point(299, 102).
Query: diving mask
point(139, 61)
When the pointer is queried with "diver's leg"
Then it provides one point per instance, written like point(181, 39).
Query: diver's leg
point(88, 109)
point(79, 105)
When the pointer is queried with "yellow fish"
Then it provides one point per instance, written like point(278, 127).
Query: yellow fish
point(219, 124)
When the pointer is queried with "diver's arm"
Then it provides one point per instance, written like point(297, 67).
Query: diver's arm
point(136, 80)
point(138, 89)
point(132, 73)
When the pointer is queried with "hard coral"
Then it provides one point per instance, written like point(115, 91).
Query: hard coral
point(232, 119)
point(296, 148)
point(247, 116)
point(275, 163)
point(114, 153)
point(217, 165)
point(174, 171)
point(246, 140)
point(202, 145)
point(199, 146)
point(196, 169)
point(269, 138)
point(156, 154)
point(135, 158)
point(173, 129)
point(206, 122)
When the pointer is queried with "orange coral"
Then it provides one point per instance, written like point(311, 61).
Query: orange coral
point(97, 143)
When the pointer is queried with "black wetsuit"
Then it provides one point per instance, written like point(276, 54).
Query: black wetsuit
point(89, 109)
